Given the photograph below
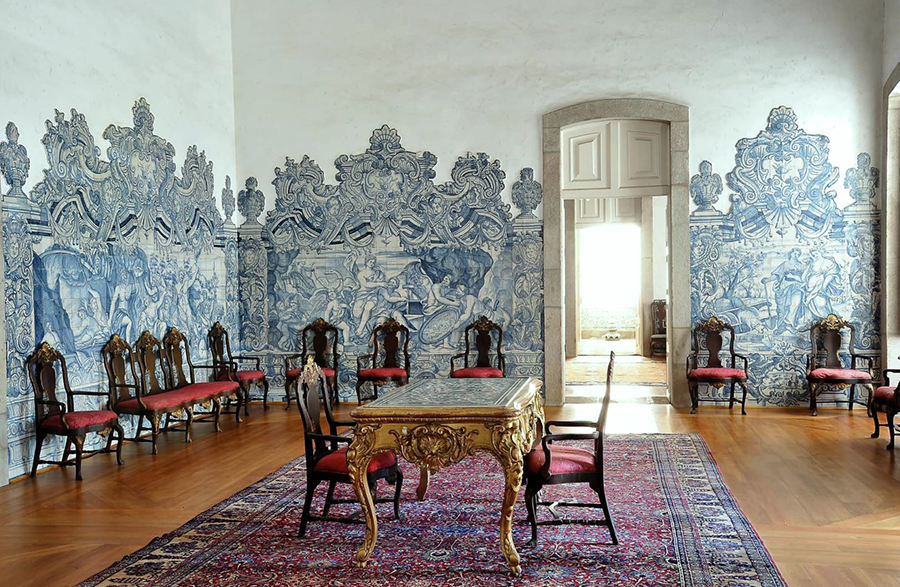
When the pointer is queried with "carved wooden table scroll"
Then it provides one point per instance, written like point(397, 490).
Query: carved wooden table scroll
point(437, 422)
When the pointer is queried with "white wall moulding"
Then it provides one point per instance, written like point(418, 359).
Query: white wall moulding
point(607, 211)
point(615, 159)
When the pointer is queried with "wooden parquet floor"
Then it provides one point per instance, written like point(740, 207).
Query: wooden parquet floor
point(823, 495)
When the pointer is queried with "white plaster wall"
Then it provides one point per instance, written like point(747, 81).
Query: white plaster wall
point(891, 44)
point(99, 57)
point(316, 78)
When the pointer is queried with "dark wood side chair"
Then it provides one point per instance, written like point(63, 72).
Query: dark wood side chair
point(886, 399)
point(708, 335)
point(484, 340)
point(226, 367)
point(825, 338)
point(658, 333)
point(556, 464)
point(319, 339)
point(62, 419)
point(389, 333)
point(326, 462)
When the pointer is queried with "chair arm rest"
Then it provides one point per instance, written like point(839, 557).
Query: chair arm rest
point(570, 424)
point(453, 360)
point(50, 402)
point(246, 358)
point(330, 437)
point(545, 446)
point(887, 383)
point(95, 393)
point(348, 423)
point(741, 357)
point(361, 358)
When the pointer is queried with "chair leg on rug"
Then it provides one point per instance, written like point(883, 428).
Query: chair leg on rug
point(307, 503)
point(601, 493)
point(328, 497)
point(531, 493)
point(399, 484)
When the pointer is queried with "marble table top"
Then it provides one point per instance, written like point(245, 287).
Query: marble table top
point(457, 393)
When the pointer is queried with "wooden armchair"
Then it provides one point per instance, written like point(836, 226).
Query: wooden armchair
point(326, 462)
point(483, 366)
point(226, 368)
point(556, 464)
point(320, 340)
point(389, 333)
point(827, 333)
point(708, 335)
point(62, 419)
point(886, 399)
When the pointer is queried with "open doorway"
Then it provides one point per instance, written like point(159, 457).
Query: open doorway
point(619, 259)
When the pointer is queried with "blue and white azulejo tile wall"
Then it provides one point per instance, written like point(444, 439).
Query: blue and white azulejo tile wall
point(120, 243)
point(387, 241)
point(786, 253)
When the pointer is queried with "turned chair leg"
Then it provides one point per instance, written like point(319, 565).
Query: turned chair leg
point(744, 398)
point(265, 394)
point(307, 503)
point(288, 385)
point(239, 401)
point(120, 440)
point(813, 389)
point(890, 423)
point(39, 442)
point(154, 425)
point(217, 411)
point(79, 445)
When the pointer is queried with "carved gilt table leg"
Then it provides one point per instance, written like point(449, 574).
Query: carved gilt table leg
point(512, 471)
point(358, 456)
point(424, 477)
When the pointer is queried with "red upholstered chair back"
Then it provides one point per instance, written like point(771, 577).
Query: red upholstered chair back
point(391, 333)
point(118, 361)
point(150, 360)
point(177, 353)
point(320, 339)
point(484, 331)
point(220, 349)
point(42, 365)
point(825, 338)
point(708, 336)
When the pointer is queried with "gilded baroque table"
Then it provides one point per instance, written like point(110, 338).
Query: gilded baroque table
point(437, 422)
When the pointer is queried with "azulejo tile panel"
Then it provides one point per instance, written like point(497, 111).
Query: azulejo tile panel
point(102, 245)
point(387, 241)
point(785, 254)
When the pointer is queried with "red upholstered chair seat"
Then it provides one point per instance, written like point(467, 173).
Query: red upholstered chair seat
point(885, 393)
point(81, 419)
point(336, 462)
point(383, 372)
point(717, 373)
point(189, 393)
point(839, 374)
point(250, 375)
point(325, 371)
point(477, 372)
point(563, 459)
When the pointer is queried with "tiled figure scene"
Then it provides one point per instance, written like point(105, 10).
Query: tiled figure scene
point(785, 254)
point(120, 244)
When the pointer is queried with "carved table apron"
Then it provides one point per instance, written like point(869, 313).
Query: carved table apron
point(437, 422)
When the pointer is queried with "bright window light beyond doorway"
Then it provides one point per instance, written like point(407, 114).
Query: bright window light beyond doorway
point(609, 276)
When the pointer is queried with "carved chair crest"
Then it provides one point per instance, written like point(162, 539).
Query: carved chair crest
point(42, 372)
point(708, 336)
point(316, 334)
point(390, 331)
point(150, 362)
point(825, 336)
point(173, 340)
point(484, 328)
point(116, 352)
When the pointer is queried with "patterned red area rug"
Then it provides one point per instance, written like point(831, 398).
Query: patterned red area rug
point(678, 525)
